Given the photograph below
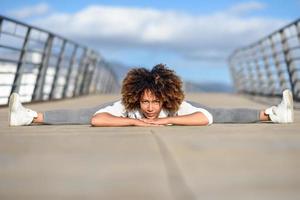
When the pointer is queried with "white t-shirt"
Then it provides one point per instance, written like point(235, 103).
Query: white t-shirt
point(118, 109)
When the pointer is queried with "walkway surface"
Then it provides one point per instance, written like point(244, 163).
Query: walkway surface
point(221, 161)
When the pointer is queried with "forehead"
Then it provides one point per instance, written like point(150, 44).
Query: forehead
point(148, 95)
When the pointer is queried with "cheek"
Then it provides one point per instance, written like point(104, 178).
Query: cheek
point(143, 108)
point(158, 108)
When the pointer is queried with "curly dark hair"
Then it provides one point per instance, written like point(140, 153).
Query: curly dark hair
point(161, 81)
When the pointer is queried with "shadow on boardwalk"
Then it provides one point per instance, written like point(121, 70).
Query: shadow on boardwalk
point(221, 161)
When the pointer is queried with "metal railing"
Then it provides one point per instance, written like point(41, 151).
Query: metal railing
point(270, 65)
point(40, 65)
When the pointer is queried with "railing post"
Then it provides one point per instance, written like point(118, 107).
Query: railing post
point(250, 87)
point(270, 80)
point(70, 69)
point(259, 75)
point(251, 72)
point(57, 68)
point(81, 67)
point(113, 79)
point(245, 69)
point(102, 75)
point(280, 74)
point(85, 72)
point(243, 77)
point(237, 74)
point(287, 58)
point(91, 74)
point(233, 73)
point(297, 84)
point(99, 76)
point(18, 76)
point(1, 21)
point(39, 85)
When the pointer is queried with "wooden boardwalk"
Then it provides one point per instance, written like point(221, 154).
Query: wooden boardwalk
point(221, 161)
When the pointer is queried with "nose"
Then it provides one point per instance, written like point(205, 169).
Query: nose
point(150, 107)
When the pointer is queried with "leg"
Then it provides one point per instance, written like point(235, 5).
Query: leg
point(263, 116)
point(20, 116)
point(81, 116)
point(237, 115)
point(39, 119)
point(282, 113)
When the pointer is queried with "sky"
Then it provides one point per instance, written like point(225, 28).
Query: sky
point(195, 38)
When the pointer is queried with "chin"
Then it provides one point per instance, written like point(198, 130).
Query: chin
point(152, 117)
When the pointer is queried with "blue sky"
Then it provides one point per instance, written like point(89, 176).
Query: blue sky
point(192, 37)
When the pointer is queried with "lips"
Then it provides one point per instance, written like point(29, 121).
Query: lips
point(150, 115)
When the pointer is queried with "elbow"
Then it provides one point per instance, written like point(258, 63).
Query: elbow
point(205, 123)
point(93, 121)
point(96, 120)
point(202, 122)
point(202, 119)
point(100, 119)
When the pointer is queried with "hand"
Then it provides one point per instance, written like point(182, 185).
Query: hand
point(157, 121)
point(140, 122)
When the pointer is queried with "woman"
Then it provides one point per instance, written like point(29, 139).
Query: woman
point(151, 98)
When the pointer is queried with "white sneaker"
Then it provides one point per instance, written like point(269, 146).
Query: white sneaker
point(284, 112)
point(17, 114)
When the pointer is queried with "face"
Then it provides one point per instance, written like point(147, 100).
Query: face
point(150, 105)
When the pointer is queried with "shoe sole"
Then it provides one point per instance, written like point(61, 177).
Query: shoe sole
point(288, 99)
point(11, 105)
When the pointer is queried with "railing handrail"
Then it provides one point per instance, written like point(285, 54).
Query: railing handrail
point(40, 29)
point(269, 35)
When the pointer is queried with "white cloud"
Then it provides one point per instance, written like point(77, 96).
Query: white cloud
point(30, 11)
point(192, 36)
point(243, 8)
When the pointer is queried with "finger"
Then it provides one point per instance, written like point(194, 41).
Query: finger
point(145, 120)
point(156, 125)
point(149, 122)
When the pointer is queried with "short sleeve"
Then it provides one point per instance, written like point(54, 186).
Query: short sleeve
point(116, 109)
point(187, 108)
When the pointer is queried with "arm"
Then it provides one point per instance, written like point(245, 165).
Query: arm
point(106, 119)
point(194, 119)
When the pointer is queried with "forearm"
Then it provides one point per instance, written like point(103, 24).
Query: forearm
point(195, 119)
point(105, 119)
